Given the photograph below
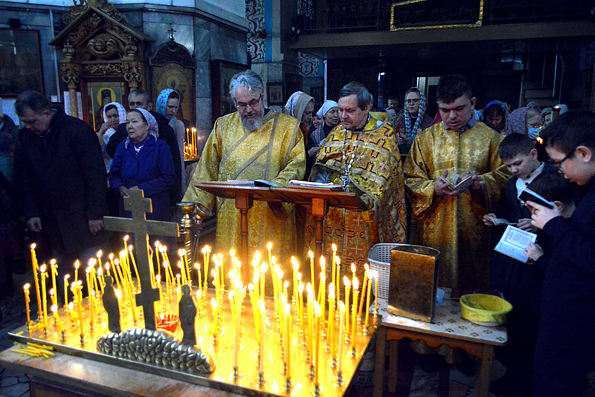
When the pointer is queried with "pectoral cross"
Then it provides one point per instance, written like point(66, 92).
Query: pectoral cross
point(141, 228)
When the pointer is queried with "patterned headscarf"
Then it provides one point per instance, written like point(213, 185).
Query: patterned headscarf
point(296, 104)
point(153, 128)
point(326, 106)
point(162, 101)
point(502, 106)
point(411, 131)
point(516, 123)
point(121, 112)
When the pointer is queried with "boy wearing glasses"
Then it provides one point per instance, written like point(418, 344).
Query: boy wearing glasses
point(565, 347)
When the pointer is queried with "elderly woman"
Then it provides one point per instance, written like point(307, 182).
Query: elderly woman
point(329, 112)
point(526, 121)
point(301, 106)
point(168, 104)
point(144, 162)
point(114, 114)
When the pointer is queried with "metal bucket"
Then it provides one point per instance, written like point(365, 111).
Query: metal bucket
point(413, 282)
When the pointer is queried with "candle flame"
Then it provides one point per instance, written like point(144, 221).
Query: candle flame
point(77, 264)
point(250, 287)
point(26, 286)
point(294, 263)
point(269, 246)
point(232, 253)
point(89, 270)
point(54, 308)
point(92, 262)
point(366, 266)
point(126, 237)
point(352, 267)
point(52, 262)
point(42, 268)
point(311, 254)
point(33, 246)
point(207, 248)
point(157, 243)
point(99, 253)
point(334, 247)
point(346, 281)
point(300, 287)
point(286, 284)
point(261, 305)
point(214, 303)
point(99, 271)
point(341, 306)
point(287, 309)
point(316, 309)
point(331, 291)
point(376, 275)
point(338, 261)
point(70, 306)
point(118, 294)
point(263, 268)
point(66, 277)
point(111, 256)
point(51, 291)
point(322, 261)
point(130, 248)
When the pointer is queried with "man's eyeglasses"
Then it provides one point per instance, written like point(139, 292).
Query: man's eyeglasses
point(558, 164)
point(253, 104)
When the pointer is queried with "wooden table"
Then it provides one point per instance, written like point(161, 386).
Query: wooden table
point(318, 199)
point(66, 375)
point(448, 332)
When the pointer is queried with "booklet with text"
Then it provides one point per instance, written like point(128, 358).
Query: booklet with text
point(514, 241)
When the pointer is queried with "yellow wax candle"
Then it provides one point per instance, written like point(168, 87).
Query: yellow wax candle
point(322, 280)
point(311, 256)
point(221, 273)
point(263, 314)
point(187, 270)
point(130, 248)
point(269, 248)
point(79, 295)
point(337, 280)
point(301, 306)
point(239, 300)
point(115, 266)
point(92, 307)
point(35, 270)
point(310, 320)
point(198, 275)
point(158, 285)
point(295, 267)
point(99, 255)
point(316, 357)
point(182, 273)
point(107, 266)
point(263, 270)
point(347, 290)
point(288, 340)
point(179, 286)
point(330, 334)
point(54, 271)
point(368, 293)
point(215, 325)
point(376, 296)
point(341, 306)
point(206, 264)
point(322, 294)
point(354, 311)
point(27, 300)
point(157, 251)
point(77, 264)
point(66, 277)
point(89, 281)
point(364, 286)
point(55, 314)
point(333, 261)
point(101, 279)
point(52, 297)
point(43, 294)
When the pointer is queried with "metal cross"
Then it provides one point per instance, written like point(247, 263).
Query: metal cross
point(141, 228)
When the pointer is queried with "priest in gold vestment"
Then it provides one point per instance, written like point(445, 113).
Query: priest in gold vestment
point(252, 144)
point(451, 221)
point(362, 154)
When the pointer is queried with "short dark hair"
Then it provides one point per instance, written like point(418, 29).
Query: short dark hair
point(570, 130)
point(110, 107)
point(514, 145)
point(33, 100)
point(364, 98)
point(553, 187)
point(141, 93)
point(452, 86)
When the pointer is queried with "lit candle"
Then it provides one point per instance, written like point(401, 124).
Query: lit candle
point(66, 277)
point(53, 298)
point(337, 281)
point(79, 298)
point(311, 255)
point(107, 266)
point(322, 280)
point(341, 328)
point(215, 325)
point(301, 306)
point(99, 255)
point(354, 311)
point(101, 279)
point(364, 288)
point(269, 248)
point(263, 270)
point(330, 334)
point(368, 293)
point(263, 314)
point(182, 273)
point(76, 271)
point(376, 296)
point(130, 248)
point(27, 300)
point(198, 275)
point(310, 320)
point(43, 294)
point(35, 270)
point(158, 282)
point(333, 261)
point(206, 253)
point(288, 340)
point(347, 290)
point(157, 251)
point(92, 307)
point(55, 312)
point(54, 271)
point(295, 266)
point(316, 357)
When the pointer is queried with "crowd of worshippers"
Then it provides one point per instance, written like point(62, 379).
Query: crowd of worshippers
point(60, 177)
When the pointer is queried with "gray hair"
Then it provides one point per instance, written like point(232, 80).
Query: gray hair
point(143, 93)
point(364, 98)
point(248, 79)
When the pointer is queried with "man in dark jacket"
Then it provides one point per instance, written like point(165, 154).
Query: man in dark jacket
point(64, 179)
point(141, 99)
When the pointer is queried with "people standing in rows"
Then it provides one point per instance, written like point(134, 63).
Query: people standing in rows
point(526, 121)
point(139, 99)
point(494, 116)
point(143, 162)
point(329, 113)
point(413, 119)
point(301, 106)
point(451, 220)
point(114, 114)
point(168, 104)
point(362, 155)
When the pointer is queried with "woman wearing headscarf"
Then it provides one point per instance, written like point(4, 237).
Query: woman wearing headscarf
point(494, 116)
point(413, 119)
point(114, 114)
point(329, 112)
point(168, 103)
point(301, 106)
point(526, 121)
point(144, 162)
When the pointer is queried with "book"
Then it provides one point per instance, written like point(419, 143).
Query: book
point(318, 185)
point(461, 183)
point(530, 195)
point(501, 221)
point(514, 241)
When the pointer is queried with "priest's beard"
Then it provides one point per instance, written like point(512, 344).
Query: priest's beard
point(254, 122)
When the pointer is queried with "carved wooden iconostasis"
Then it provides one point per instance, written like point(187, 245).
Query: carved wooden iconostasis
point(172, 66)
point(104, 59)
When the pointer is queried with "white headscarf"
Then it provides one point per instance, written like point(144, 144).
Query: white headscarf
point(326, 106)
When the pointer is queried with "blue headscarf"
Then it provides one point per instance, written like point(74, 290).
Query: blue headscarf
point(162, 101)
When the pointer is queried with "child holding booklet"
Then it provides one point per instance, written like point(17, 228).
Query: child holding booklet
point(518, 282)
point(565, 347)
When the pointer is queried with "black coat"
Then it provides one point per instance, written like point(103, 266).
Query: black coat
point(167, 135)
point(64, 182)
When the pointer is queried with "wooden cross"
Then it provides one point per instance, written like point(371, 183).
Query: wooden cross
point(141, 228)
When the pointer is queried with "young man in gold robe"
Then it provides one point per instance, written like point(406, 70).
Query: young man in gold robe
point(253, 144)
point(362, 154)
point(451, 220)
